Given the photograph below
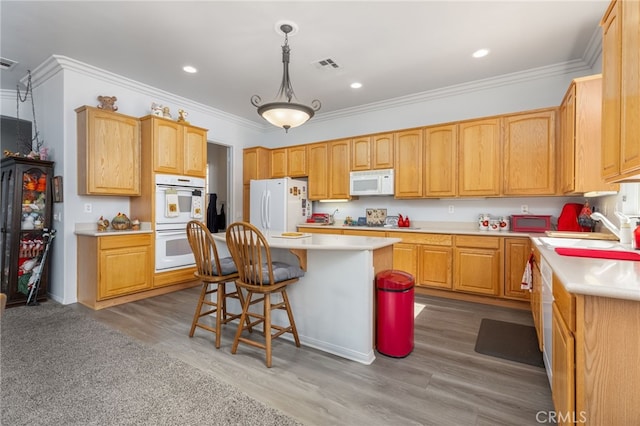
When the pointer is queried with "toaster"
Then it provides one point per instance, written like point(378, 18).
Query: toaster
point(530, 223)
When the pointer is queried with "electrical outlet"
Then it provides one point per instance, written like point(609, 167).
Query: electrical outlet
point(451, 209)
point(88, 208)
point(524, 209)
point(57, 217)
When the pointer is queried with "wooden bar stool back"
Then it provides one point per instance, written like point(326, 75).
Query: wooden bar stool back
point(260, 277)
point(214, 273)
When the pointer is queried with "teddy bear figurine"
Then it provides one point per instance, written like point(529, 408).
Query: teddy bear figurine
point(182, 116)
point(166, 112)
point(108, 103)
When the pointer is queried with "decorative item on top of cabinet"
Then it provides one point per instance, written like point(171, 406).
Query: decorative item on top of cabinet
point(621, 92)
point(108, 153)
point(581, 137)
point(529, 157)
point(176, 148)
point(107, 103)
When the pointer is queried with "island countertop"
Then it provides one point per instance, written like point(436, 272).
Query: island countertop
point(323, 241)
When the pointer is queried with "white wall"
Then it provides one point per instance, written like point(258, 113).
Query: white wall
point(63, 84)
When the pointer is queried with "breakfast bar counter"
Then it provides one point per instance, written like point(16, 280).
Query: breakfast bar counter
point(333, 304)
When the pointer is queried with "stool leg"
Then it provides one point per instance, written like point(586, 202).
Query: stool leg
point(203, 293)
point(294, 330)
point(245, 308)
point(219, 315)
point(267, 327)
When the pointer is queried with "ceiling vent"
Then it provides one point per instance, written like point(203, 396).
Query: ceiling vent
point(6, 64)
point(327, 64)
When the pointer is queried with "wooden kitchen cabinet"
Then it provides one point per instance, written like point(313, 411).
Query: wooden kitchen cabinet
point(405, 258)
point(440, 161)
point(318, 163)
point(479, 154)
point(361, 153)
point(581, 137)
point(256, 163)
point(408, 163)
point(382, 151)
point(109, 149)
point(516, 256)
point(477, 265)
point(435, 266)
point(529, 153)
point(297, 161)
point(621, 91)
point(428, 257)
point(177, 148)
point(278, 163)
point(113, 265)
point(339, 166)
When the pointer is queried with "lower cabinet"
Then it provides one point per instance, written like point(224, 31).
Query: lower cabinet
point(477, 266)
point(516, 255)
point(113, 266)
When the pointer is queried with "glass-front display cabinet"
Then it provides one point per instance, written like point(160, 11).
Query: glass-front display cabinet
point(26, 207)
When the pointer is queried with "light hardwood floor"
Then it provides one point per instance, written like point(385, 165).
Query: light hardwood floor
point(442, 382)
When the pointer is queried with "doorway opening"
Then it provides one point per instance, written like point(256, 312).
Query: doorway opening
point(218, 191)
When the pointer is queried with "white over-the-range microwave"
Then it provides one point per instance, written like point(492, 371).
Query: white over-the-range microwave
point(372, 182)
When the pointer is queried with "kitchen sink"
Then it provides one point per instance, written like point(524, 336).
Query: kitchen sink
point(580, 243)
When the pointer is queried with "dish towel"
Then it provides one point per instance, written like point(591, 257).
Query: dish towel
point(196, 205)
point(171, 198)
point(527, 276)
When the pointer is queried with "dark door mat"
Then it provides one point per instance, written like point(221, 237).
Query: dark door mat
point(506, 340)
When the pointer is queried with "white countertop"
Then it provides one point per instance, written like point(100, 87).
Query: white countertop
point(463, 228)
point(91, 230)
point(325, 242)
point(618, 279)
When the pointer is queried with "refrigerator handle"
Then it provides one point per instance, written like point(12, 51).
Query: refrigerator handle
point(268, 210)
point(263, 204)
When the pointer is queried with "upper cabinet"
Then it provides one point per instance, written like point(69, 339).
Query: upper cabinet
point(339, 162)
point(408, 163)
point(108, 153)
point(529, 152)
point(372, 152)
point(361, 153)
point(255, 165)
point(581, 137)
point(440, 161)
point(479, 156)
point(178, 148)
point(290, 161)
point(621, 92)
point(318, 163)
point(279, 163)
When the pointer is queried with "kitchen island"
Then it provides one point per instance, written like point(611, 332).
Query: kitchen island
point(333, 304)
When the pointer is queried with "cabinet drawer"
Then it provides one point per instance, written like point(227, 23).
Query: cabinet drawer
point(479, 242)
point(566, 303)
point(124, 241)
point(418, 238)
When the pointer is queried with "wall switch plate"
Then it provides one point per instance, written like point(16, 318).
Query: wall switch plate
point(524, 209)
point(88, 208)
point(451, 209)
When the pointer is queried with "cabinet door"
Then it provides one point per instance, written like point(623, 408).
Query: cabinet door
point(516, 256)
point(168, 146)
point(382, 151)
point(297, 161)
point(440, 161)
point(435, 266)
point(318, 156)
point(339, 164)
point(630, 88)
point(195, 151)
point(408, 158)
point(479, 167)
point(405, 258)
point(563, 384)
point(279, 163)
point(361, 153)
point(567, 141)
point(125, 265)
point(611, 86)
point(108, 153)
point(529, 154)
point(477, 264)
point(255, 164)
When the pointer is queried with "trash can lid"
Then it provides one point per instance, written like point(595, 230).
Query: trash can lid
point(394, 280)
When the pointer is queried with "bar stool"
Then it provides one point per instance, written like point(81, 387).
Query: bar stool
point(260, 277)
point(215, 273)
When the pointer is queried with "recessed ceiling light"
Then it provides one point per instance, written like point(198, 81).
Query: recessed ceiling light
point(480, 53)
point(190, 69)
point(356, 85)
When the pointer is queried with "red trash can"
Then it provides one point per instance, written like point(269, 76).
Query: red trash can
point(394, 323)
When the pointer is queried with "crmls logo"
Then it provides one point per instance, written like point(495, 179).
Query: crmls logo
point(560, 417)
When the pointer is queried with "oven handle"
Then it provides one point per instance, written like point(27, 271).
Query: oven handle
point(170, 233)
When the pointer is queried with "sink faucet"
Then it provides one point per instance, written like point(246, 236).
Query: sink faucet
point(606, 222)
point(331, 217)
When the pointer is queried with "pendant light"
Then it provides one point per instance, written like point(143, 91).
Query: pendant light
point(282, 112)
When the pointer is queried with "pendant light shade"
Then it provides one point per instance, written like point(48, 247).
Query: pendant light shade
point(282, 112)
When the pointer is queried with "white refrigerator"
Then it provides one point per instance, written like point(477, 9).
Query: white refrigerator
point(279, 205)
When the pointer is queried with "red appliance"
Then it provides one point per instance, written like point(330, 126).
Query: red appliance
point(568, 219)
point(530, 223)
point(320, 218)
point(394, 323)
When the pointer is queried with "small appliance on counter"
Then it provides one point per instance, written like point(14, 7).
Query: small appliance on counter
point(530, 223)
point(320, 218)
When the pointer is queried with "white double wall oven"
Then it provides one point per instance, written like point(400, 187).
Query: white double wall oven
point(178, 200)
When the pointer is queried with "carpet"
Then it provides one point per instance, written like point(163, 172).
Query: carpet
point(506, 340)
point(58, 366)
